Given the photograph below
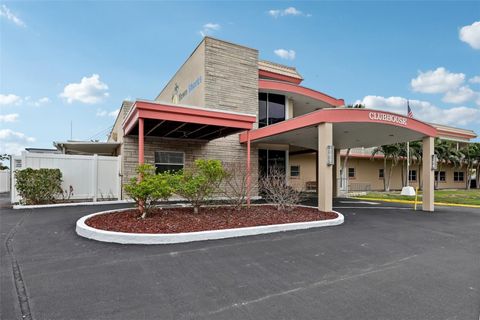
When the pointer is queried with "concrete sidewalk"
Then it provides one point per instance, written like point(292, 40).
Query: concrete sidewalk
point(385, 262)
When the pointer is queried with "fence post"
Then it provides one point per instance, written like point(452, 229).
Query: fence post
point(95, 177)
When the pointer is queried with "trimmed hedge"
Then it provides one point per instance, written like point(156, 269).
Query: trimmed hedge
point(38, 186)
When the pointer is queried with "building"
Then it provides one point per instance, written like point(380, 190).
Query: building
point(224, 103)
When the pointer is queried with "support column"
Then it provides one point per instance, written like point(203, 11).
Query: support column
point(428, 174)
point(141, 142)
point(325, 172)
point(336, 174)
point(248, 170)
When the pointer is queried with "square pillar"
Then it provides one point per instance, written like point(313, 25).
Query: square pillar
point(141, 141)
point(325, 171)
point(336, 174)
point(428, 174)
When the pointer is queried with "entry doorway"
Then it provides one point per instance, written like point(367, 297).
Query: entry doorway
point(269, 160)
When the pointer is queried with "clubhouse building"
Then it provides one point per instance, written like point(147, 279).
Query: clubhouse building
point(224, 103)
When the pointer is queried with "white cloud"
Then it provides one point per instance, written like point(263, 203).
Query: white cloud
point(41, 101)
point(475, 79)
point(285, 54)
point(114, 113)
point(209, 28)
point(103, 113)
point(12, 117)
point(290, 11)
point(437, 81)
point(471, 34)
point(9, 99)
point(13, 142)
point(90, 90)
point(424, 110)
point(7, 14)
point(460, 95)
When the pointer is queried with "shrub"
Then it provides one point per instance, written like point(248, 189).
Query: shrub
point(197, 183)
point(148, 188)
point(278, 192)
point(235, 181)
point(38, 186)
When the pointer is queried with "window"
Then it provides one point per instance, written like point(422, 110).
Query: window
point(294, 171)
point(351, 172)
point(168, 161)
point(442, 176)
point(381, 174)
point(271, 159)
point(458, 176)
point(271, 108)
point(412, 175)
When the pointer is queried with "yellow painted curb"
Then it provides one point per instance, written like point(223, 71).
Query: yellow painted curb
point(419, 202)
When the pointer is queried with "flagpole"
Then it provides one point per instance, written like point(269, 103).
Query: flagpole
point(408, 148)
point(408, 163)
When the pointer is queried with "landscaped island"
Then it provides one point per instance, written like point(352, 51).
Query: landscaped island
point(178, 220)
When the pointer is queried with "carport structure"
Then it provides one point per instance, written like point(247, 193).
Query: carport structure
point(329, 130)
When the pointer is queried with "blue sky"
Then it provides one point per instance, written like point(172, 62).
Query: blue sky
point(378, 53)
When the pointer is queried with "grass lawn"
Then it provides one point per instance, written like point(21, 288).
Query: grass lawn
point(447, 196)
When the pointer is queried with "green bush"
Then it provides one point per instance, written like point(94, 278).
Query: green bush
point(38, 186)
point(197, 183)
point(148, 188)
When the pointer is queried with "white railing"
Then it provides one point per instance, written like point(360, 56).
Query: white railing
point(90, 177)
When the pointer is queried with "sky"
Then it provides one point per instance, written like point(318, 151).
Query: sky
point(66, 67)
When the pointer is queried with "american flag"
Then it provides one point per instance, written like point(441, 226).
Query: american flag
point(409, 111)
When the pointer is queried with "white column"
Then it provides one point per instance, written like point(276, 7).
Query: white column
point(428, 174)
point(325, 171)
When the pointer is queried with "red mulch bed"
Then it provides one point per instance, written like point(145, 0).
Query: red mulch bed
point(174, 220)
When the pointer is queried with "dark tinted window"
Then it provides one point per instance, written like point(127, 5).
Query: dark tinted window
point(351, 172)
point(262, 110)
point(271, 108)
point(276, 108)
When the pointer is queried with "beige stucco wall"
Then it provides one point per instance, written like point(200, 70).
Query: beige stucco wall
point(366, 174)
point(180, 89)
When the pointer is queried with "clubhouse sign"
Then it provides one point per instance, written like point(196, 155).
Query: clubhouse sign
point(387, 117)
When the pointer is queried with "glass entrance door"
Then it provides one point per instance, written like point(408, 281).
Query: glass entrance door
point(271, 159)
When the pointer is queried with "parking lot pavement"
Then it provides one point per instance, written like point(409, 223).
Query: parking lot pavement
point(384, 262)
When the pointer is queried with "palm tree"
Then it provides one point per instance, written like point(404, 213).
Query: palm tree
point(446, 152)
point(390, 152)
point(470, 158)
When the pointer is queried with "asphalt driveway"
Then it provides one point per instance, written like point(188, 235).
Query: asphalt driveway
point(384, 262)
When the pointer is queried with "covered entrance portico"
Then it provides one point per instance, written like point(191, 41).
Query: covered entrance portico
point(329, 130)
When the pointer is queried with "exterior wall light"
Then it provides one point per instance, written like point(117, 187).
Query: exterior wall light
point(434, 162)
point(330, 155)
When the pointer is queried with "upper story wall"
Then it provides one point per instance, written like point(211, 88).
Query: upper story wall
point(231, 77)
point(187, 85)
point(116, 135)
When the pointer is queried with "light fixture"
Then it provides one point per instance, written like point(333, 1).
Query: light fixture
point(330, 155)
point(434, 162)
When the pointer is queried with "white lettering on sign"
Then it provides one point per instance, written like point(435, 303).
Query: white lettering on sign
point(388, 118)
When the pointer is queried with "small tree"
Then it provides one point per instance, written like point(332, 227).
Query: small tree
point(199, 182)
point(149, 188)
point(235, 184)
point(278, 192)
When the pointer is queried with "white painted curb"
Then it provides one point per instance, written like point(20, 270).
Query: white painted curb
point(86, 231)
point(70, 204)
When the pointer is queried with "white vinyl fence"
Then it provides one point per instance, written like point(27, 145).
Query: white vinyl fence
point(4, 180)
point(91, 177)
